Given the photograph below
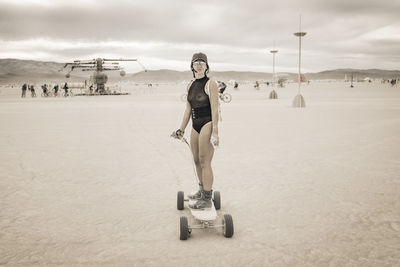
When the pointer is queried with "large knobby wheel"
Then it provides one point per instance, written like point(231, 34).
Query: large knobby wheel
point(180, 200)
point(217, 200)
point(228, 225)
point(227, 98)
point(184, 228)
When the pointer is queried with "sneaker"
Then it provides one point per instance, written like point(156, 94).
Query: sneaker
point(196, 195)
point(201, 204)
point(204, 202)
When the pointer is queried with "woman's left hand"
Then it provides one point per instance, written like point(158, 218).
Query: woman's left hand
point(215, 139)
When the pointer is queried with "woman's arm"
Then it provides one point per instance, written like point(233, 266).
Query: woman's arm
point(214, 107)
point(186, 117)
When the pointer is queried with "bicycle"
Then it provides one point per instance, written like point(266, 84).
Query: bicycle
point(47, 94)
point(225, 97)
point(68, 93)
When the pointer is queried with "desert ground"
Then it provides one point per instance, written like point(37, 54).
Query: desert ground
point(92, 181)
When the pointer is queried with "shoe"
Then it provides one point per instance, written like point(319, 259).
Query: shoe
point(196, 195)
point(201, 204)
point(204, 202)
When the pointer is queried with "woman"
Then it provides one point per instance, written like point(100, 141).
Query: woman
point(202, 106)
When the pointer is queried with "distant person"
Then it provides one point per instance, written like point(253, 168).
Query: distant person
point(33, 93)
point(221, 87)
point(256, 85)
point(24, 88)
point(393, 82)
point(91, 89)
point(44, 89)
point(55, 88)
point(65, 89)
point(236, 85)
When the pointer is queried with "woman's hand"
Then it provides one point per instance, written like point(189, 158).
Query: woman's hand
point(178, 134)
point(214, 138)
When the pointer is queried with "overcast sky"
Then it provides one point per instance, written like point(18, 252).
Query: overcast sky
point(236, 35)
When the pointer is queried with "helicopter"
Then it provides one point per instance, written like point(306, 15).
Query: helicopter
point(99, 66)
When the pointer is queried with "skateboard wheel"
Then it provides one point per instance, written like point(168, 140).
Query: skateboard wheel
point(184, 228)
point(228, 225)
point(180, 200)
point(217, 200)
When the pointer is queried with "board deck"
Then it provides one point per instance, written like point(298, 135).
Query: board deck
point(203, 215)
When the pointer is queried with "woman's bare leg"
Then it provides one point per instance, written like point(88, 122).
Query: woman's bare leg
point(194, 145)
point(206, 153)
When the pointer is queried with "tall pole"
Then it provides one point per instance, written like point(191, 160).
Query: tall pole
point(273, 51)
point(299, 34)
point(273, 94)
point(273, 66)
point(299, 76)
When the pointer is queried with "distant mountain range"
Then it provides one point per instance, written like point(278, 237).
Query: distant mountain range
point(15, 70)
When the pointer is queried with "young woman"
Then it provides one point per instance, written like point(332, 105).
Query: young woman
point(202, 106)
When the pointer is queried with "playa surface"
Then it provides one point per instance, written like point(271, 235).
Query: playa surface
point(93, 180)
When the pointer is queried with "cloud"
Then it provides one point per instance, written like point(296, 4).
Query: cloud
point(235, 34)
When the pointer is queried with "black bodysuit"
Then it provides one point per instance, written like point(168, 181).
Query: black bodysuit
point(200, 103)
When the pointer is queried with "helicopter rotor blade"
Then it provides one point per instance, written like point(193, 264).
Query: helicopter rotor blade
point(119, 59)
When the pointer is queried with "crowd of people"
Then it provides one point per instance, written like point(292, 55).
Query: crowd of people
point(26, 87)
point(47, 90)
point(393, 82)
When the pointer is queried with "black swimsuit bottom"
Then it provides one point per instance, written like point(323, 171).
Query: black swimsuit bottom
point(200, 104)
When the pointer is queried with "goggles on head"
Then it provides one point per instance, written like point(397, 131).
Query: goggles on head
point(199, 63)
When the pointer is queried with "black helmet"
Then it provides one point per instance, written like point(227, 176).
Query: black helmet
point(202, 57)
point(199, 56)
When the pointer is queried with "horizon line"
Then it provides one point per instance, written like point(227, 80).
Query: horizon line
point(343, 68)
